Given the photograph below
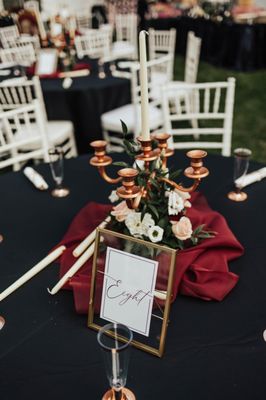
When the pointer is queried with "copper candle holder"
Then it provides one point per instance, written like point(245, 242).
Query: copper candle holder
point(132, 193)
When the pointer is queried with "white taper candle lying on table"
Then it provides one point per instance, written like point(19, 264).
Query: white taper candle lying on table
point(33, 271)
point(35, 178)
point(145, 129)
point(75, 267)
point(89, 239)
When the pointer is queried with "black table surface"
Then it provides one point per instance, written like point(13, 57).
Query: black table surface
point(213, 350)
point(84, 103)
point(224, 44)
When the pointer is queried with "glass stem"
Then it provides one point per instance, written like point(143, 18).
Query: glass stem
point(118, 395)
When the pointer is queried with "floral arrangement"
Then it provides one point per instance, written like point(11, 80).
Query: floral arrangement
point(161, 215)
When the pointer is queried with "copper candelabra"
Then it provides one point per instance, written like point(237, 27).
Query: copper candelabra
point(133, 194)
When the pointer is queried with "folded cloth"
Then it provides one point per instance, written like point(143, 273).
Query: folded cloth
point(252, 177)
point(35, 178)
point(201, 271)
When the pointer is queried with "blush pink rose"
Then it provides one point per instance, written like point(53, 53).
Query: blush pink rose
point(121, 211)
point(182, 229)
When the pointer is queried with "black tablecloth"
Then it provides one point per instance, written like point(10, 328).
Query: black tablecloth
point(213, 350)
point(84, 103)
point(224, 44)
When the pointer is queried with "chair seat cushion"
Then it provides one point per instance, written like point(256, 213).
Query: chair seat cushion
point(57, 132)
point(122, 49)
point(130, 114)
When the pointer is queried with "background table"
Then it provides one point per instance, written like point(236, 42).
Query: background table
point(84, 103)
point(224, 44)
point(213, 350)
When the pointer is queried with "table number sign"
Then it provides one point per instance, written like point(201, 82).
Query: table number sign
point(127, 299)
point(131, 284)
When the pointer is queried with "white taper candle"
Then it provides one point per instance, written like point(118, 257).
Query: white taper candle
point(75, 267)
point(145, 130)
point(89, 239)
point(33, 271)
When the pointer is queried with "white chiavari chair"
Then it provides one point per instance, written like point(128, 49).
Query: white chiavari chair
point(23, 54)
point(20, 139)
point(210, 104)
point(8, 36)
point(192, 58)
point(130, 113)
point(95, 44)
point(162, 42)
point(125, 45)
point(32, 5)
point(83, 20)
point(19, 92)
point(28, 39)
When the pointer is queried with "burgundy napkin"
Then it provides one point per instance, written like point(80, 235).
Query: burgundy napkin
point(201, 271)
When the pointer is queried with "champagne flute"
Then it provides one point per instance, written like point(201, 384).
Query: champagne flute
point(241, 162)
point(56, 157)
point(116, 359)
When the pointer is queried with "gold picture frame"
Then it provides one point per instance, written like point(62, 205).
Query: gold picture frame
point(154, 343)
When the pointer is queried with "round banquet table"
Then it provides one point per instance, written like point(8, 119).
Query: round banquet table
point(84, 103)
point(213, 350)
point(224, 44)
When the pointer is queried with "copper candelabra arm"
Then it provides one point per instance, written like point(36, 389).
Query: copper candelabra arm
point(180, 187)
point(107, 178)
point(133, 204)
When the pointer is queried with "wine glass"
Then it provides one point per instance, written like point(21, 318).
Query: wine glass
point(101, 71)
point(56, 157)
point(116, 358)
point(241, 162)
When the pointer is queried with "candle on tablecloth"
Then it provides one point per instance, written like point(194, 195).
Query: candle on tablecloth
point(89, 239)
point(145, 131)
point(75, 267)
point(33, 271)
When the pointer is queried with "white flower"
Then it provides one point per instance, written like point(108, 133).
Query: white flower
point(147, 223)
point(175, 203)
point(155, 233)
point(185, 196)
point(113, 196)
point(134, 225)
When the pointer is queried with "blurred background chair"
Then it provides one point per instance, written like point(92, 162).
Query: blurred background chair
point(20, 139)
point(131, 113)
point(19, 92)
point(22, 54)
point(125, 45)
point(162, 42)
point(8, 36)
point(211, 106)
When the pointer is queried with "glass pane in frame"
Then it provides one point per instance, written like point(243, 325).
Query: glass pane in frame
point(153, 343)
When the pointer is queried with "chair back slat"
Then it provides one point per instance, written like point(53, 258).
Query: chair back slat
point(192, 58)
point(207, 107)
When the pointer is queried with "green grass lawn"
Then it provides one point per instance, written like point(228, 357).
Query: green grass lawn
point(249, 127)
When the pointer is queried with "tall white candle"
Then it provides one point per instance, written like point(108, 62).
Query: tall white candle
point(145, 131)
point(33, 271)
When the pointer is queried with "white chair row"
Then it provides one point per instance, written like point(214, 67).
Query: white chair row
point(20, 92)
point(208, 107)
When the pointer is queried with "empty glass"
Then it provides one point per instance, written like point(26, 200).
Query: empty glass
point(116, 358)
point(56, 158)
point(241, 162)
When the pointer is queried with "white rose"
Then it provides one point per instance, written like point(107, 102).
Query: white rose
point(134, 225)
point(147, 223)
point(185, 196)
point(155, 233)
point(121, 211)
